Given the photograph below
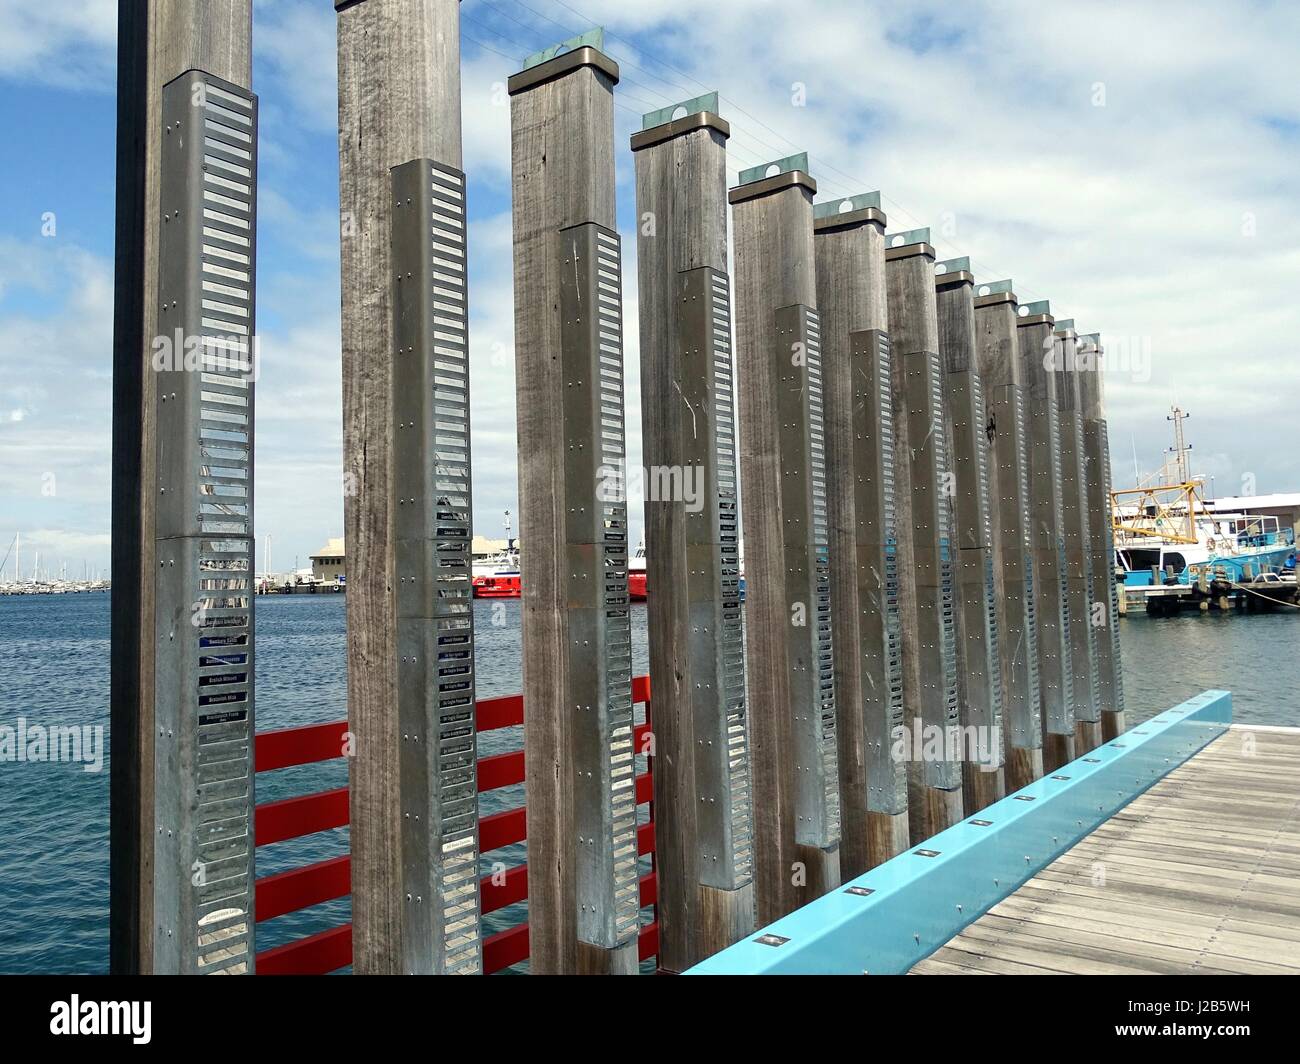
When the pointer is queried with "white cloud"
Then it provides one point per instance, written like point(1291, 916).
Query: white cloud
point(70, 43)
point(979, 120)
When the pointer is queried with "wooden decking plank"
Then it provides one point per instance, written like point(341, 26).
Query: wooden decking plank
point(1201, 874)
point(1145, 955)
point(1064, 956)
point(1110, 922)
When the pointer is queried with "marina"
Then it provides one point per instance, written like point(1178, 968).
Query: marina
point(884, 675)
point(760, 764)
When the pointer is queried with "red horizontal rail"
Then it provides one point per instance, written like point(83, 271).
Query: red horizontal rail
point(502, 829)
point(493, 713)
point(505, 770)
point(299, 746)
point(647, 941)
point(291, 818)
point(300, 888)
point(512, 888)
point(311, 743)
point(318, 954)
point(645, 838)
point(331, 950)
point(505, 948)
point(500, 770)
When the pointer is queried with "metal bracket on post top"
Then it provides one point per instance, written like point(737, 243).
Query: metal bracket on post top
point(678, 119)
point(1036, 313)
point(790, 164)
point(908, 243)
point(587, 49)
point(593, 38)
point(849, 212)
point(994, 292)
point(675, 111)
point(953, 272)
point(772, 177)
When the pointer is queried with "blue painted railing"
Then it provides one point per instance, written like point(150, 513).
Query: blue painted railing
point(898, 913)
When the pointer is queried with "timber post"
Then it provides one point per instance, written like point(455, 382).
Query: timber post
point(703, 835)
point(407, 500)
point(978, 624)
point(849, 237)
point(926, 555)
point(1000, 371)
point(1036, 354)
point(793, 757)
point(1096, 443)
point(579, 756)
point(182, 715)
point(1085, 620)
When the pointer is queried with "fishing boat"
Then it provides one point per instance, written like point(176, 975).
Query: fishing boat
point(1234, 545)
point(1166, 535)
point(497, 575)
point(636, 574)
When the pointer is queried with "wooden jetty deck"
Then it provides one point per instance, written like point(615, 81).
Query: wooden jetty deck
point(1201, 874)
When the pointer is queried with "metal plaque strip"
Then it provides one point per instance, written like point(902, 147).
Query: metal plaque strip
point(807, 566)
point(723, 818)
point(1083, 632)
point(934, 559)
point(432, 507)
point(1110, 692)
point(974, 536)
point(876, 535)
point(600, 638)
point(1019, 643)
point(204, 356)
point(1047, 522)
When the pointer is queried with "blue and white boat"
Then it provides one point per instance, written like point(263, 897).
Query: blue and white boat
point(1228, 546)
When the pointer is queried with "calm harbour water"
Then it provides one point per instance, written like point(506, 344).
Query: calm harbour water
point(54, 848)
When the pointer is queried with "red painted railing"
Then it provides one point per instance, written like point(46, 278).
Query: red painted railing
point(300, 888)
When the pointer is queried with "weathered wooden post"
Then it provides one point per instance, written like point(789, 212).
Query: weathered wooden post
point(978, 627)
point(1078, 552)
point(1000, 372)
point(407, 506)
point(926, 558)
point(849, 237)
point(791, 700)
point(583, 903)
point(703, 838)
point(1036, 352)
point(181, 864)
point(1096, 446)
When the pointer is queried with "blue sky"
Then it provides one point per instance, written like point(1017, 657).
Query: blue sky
point(1135, 165)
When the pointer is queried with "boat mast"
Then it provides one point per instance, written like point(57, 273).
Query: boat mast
point(1180, 451)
